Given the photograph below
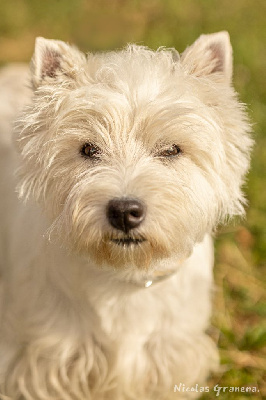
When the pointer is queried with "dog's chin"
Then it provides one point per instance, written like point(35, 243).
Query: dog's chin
point(128, 250)
point(125, 251)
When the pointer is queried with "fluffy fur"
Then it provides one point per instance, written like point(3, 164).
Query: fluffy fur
point(77, 322)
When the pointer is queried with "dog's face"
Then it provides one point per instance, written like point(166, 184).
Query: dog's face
point(134, 155)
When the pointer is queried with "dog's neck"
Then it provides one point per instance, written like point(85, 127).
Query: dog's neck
point(146, 279)
point(130, 277)
point(156, 277)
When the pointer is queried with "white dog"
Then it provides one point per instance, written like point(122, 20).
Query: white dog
point(126, 161)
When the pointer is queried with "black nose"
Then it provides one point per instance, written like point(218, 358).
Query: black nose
point(125, 214)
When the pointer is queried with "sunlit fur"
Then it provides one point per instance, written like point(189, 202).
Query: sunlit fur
point(77, 322)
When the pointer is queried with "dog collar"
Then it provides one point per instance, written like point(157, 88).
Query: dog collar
point(158, 276)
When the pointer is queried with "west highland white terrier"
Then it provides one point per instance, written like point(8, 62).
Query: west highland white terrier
point(126, 162)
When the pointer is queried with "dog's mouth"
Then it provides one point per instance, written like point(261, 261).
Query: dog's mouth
point(128, 241)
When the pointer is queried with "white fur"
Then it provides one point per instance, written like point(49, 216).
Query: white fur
point(76, 320)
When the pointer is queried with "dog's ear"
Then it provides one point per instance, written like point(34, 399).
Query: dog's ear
point(209, 55)
point(54, 60)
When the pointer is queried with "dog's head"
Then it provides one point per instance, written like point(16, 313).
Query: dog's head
point(134, 154)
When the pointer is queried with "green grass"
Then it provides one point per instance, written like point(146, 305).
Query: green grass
point(239, 308)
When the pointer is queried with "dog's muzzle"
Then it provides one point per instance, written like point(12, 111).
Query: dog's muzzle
point(125, 214)
point(127, 241)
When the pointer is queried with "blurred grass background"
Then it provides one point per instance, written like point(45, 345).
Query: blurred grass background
point(239, 301)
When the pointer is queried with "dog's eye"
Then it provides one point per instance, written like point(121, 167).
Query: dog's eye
point(90, 150)
point(174, 150)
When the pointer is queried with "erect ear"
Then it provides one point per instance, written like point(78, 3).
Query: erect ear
point(54, 60)
point(210, 54)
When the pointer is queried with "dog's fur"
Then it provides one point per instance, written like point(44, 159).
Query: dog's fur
point(77, 321)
